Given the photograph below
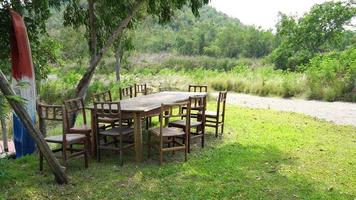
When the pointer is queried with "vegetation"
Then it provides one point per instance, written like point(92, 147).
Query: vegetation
point(321, 30)
point(333, 76)
point(212, 34)
point(263, 154)
point(35, 17)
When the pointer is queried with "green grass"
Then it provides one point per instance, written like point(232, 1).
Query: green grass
point(263, 155)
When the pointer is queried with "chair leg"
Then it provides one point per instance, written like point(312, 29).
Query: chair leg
point(89, 143)
point(120, 148)
point(173, 145)
point(186, 150)
point(64, 152)
point(160, 155)
point(188, 141)
point(149, 145)
point(216, 129)
point(202, 137)
point(98, 148)
point(86, 154)
point(41, 161)
point(222, 128)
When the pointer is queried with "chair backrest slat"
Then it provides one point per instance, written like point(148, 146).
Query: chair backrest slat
point(140, 89)
point(102, 96)
point(107, 110)
point(126, 93)
point(72, 107)
point(198, 88)
point(50, 112)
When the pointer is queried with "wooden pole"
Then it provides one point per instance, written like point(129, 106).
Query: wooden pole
point(57, 169)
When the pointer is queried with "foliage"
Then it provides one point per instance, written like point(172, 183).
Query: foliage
point(263, 154)
point(212, 34)
point(35, 15)
point(4, 107)
point(320, 30)
point(332, 76)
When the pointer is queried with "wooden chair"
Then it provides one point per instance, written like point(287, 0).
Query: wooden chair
point(198, 88)
point(126, 93)
point(199, 103)
point(217, 118)
point(119, 134)
point(167, 137)
point(140, 89)
point(104, 97)
point(75, 107)
point(66, 140)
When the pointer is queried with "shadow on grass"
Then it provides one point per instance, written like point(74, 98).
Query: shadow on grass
point(222, 171)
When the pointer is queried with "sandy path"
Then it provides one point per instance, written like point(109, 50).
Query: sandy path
point(337, 112)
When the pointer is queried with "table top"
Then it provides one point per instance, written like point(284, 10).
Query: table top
point(151, 102)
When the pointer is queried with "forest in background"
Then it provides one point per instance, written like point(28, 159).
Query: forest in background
point(220, 51)
point(310, 57)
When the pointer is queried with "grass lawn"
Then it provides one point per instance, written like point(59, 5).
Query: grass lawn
point(263, 155)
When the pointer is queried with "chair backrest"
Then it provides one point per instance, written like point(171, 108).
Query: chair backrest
point(73, 107)
point(49, 113)
point(140, 89)
point(198, 107)
point(107, 110)
point(174, 110)
point(126, 93)
point(102, 96)
point(198, 88)
point(221, 103)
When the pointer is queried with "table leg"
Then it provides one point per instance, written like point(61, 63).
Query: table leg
point(138, 136)
point(93, 135)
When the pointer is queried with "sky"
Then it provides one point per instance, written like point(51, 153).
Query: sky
point(263, 13)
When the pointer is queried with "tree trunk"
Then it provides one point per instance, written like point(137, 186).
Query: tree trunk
point(20, 111)
point(4, 134)
point(118, 63)
point(83, 84)
point(92, 29)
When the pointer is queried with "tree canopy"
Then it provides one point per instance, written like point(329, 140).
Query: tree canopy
point(320, 30)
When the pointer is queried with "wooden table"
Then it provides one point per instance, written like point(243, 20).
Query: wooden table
point(145, 106)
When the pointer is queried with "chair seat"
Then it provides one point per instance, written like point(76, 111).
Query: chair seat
point(168, 131)
point(69, 138)
point(108, 120)
point(182, 123)
point(117, 131)
point(80, 129)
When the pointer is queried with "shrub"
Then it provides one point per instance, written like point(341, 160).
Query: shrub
point(332, 76)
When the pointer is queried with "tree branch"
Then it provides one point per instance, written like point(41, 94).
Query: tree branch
point(83, 84)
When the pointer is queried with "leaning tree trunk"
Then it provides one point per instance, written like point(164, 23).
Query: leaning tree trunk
point(92, 30)
point(20, 111)
point(4, 134)
point(118, 63)
point(82, 87)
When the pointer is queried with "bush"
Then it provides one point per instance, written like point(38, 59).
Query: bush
point(333, 76)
